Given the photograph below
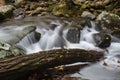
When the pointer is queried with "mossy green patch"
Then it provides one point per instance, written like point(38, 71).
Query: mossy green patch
point(62, 9)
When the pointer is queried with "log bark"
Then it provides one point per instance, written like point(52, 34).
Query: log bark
point(60, 71)
point(19, 66)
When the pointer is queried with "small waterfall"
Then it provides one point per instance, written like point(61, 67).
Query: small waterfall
point(87, 34)
point(53, 38)
point(57, 34)
point(13, 34)
point(30, 44)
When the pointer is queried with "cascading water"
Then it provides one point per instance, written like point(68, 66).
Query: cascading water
point(54, 37)
point(29, 43)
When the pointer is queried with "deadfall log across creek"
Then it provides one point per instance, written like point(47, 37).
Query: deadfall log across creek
point(19, 66)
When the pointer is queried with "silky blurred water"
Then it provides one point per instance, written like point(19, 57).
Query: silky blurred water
point(55, 37)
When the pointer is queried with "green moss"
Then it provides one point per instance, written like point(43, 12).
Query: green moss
point(62, 9)
point(109, 7)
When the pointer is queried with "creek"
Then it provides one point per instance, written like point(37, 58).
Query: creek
point(54, 33)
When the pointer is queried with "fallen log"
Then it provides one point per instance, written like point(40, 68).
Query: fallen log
point(20, 66)
point(58, 72)
point(61, 71)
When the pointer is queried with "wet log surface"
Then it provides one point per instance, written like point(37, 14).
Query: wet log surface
point(61, 71)
point(20, 66)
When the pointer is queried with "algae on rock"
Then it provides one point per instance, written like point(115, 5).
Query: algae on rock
point(109, 22)
point(62, 9)
point(7, 50)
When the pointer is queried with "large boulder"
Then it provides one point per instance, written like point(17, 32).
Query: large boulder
point(102, 39)
point(109, 22)
point(87, 14)
point(9, 38)
point(13, 35)
point(6, 11)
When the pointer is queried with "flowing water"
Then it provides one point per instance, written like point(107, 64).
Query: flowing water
point(53, 35)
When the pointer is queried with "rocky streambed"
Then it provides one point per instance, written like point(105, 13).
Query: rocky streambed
point(34, 34)
point(76, 24)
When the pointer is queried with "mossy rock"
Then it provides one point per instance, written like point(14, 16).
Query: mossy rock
point(109, 22)
point(62, 9)
point(9, 51)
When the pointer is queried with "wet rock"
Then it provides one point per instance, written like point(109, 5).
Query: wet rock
point(7, 50)
point(37, 36)
point(33, 36)
point(116, 28)
point(73, 35)
point(85, 22)
point(6, 11)
point(58, 10)
point(19, 3)
point(102, 39)
point(87, 14)
point(109, 22)
point(106, 2)
point(4, 46)
point(70, 4)
point(65, 9)
point(107, 17)
point(17, 50)
point(81, 22)
point(99, 4)
point(19, 13)
point(116, 34)
point(12, 37)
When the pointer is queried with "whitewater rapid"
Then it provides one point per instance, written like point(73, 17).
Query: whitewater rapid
point(107, 69)
point(55, 37)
